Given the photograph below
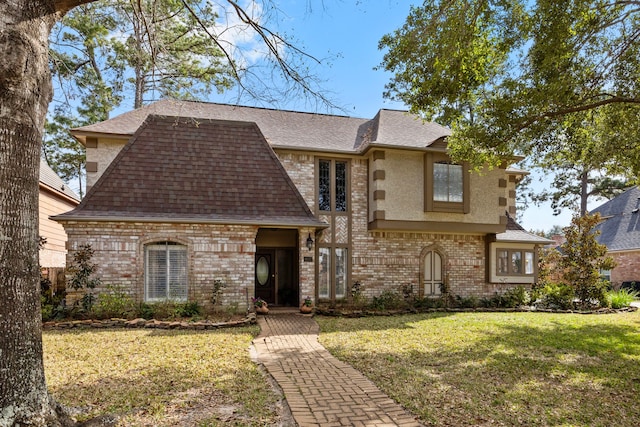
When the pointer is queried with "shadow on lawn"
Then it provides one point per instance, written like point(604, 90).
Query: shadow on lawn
point(516, 374)
point(152, 373)
point(376, 323)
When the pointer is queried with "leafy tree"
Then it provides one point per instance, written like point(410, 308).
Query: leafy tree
point(62, 152)
point(81, 273)
point(516, 76)
point(150, 48)
point(583, 259)
point(579, 168)
point(25, 93)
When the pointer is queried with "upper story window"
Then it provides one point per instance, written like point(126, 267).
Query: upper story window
point(447, 182)
point(446, 185)
point(332, 185)
point(165, 271)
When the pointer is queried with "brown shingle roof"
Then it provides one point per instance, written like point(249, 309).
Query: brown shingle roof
point(289, 129)
point(516, 233)
point(185, 170)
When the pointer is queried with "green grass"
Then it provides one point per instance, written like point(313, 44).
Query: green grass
point(514, 369)
point(160, 377)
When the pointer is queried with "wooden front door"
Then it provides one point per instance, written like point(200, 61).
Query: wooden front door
point(266, 275)
point(276, 276)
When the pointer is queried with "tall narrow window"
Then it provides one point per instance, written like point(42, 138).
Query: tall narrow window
point(528, 263)
point(165, 272)
point(516, 262)
point(332, 186)
point(324, 276)
point(333, 273)
point(503, 262)
point(324, 185)
point(341, 186)
point(341, 272)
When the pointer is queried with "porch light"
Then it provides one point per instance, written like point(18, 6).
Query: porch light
point(309, 242)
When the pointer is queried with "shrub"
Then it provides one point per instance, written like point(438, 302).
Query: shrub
point(51, 306)
point(169, 310)
point(583, 259)
point(216, 294)
point(387, 300)
point(187, 309)
point(146, 310)
point(357, 297)
point(114, 302)
point(515, 297)
point(557, 296)
point(621, 298)
point(466, 302)
point(82, 270)
point(407, 293)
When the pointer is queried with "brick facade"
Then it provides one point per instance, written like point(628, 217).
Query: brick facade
point(627, 268)
point(386, 260)
point(223, 252)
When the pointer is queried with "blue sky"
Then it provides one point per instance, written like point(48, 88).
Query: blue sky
point(346, 34)
point(349, 31)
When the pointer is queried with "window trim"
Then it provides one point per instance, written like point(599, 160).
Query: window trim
point(167, 244)
point(431, 205)
point(430, 255)
point(329, 243)
point(332, 272)
point(510, 252)
point(332, 185)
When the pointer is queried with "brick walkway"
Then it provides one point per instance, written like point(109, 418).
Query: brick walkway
point(321, 390)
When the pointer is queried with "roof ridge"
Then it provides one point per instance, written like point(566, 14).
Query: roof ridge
point(257, 108)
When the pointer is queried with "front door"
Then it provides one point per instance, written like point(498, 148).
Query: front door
point(266, 275)
point(276, 276)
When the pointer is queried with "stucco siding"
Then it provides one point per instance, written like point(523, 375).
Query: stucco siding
point(404, 185)
point(387, 260)
point(103, 155)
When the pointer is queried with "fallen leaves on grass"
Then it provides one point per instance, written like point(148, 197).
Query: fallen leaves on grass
point(160, 377)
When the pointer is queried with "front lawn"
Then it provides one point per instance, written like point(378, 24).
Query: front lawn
point(514, 369)
point(152, 377)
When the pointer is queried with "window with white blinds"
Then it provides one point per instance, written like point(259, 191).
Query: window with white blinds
point(165, 272)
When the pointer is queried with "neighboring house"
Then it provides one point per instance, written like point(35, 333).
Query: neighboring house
point(620, 232)
point(284, 205)
point(54, 197)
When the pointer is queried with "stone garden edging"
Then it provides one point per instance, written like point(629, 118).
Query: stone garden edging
point(149, 324)
point(367, 313)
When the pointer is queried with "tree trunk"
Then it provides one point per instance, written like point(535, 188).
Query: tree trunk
point(25, 92)
point(584, 192)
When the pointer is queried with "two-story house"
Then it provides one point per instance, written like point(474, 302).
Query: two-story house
point(284, 205)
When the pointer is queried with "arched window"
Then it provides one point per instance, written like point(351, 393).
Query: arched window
point(165, 272)
point(432, 277)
